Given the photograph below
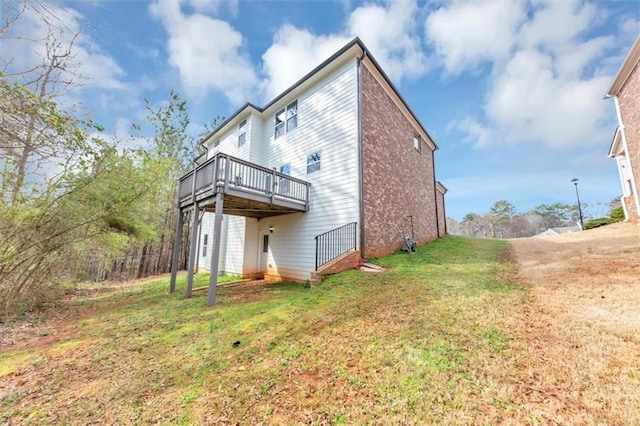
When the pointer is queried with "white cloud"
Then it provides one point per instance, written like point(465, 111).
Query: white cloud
point(465, 34)
point(477, 134)
point(24, 47)
point(547, 78)
point(206, 52)
point(556, 24)
point(294, 53)
point(214, 6)
point(573, 61)
point(529, 101)
point(390, 32)
point(630, 27)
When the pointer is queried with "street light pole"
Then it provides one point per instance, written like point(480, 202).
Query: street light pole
point(575, 182)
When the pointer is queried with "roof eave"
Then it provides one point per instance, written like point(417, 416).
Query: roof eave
point(229, 119)
point(625, 70)
point(355, 41)
point(430, 141)
point(614, 149)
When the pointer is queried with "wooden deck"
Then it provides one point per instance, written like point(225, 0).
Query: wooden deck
point(249, 189)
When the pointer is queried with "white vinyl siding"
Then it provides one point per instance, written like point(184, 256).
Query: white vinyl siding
point(206, 228)
point(256, 141)
point(234, 244)
point(229, 140)
point(327, 122)
point(231, 244)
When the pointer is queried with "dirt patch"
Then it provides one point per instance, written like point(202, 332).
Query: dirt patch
point(580, 346)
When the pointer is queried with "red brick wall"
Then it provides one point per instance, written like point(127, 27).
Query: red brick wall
point(629, 99)
point(345, 262)
point(397, 180)
point(630, 204)
point(442, 220)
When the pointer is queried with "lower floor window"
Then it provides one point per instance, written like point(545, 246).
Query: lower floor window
point(285, 169)
point(313, 161)
point(205, 244)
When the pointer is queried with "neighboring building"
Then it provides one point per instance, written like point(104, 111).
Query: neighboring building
point(552, 232)
point(335, 169)
point(625, 147)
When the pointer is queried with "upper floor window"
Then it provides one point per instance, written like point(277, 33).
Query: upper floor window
point(313, 161)
point(417, 143)
point(286, 119)
point(216, 143)
point(242, 133)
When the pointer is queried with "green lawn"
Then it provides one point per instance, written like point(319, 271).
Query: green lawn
point(420, 343)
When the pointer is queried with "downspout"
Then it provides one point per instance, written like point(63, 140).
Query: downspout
point(626, 152)
point(360, 155)
point(435, 191)
point(444, 214)
point(623, 184)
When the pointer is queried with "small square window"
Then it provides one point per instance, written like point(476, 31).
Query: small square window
point(313, 161)
point(216, 143)
point(417, 143)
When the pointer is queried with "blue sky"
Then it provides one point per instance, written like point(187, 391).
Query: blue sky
point(511, 91)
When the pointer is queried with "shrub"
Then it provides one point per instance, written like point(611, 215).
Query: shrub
point(617, 214)
point(597, 222)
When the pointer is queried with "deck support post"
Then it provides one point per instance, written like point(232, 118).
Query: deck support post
point(176, 252)
point(192, 250)
point(215, 253)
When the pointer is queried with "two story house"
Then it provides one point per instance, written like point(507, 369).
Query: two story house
point(334, 170)
point(625, 146)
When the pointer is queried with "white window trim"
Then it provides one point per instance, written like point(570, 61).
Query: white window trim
point(242, 131)
point(205, 245)
point(313, 163)
point(284, 124)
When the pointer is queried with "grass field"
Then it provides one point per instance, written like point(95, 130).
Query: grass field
point(422, 342)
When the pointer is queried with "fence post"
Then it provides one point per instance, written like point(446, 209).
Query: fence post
point(273, 184)
point(355, 239)
point(227, 172)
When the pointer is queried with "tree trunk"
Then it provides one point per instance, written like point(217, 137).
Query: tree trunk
point(141, 262)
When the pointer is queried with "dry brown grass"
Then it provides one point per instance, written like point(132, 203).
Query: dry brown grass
point(579, 354)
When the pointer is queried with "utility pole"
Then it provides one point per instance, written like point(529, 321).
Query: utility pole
point(575, 182)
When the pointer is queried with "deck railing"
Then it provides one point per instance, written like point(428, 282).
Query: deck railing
point(224, 171)
point(335, 243)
